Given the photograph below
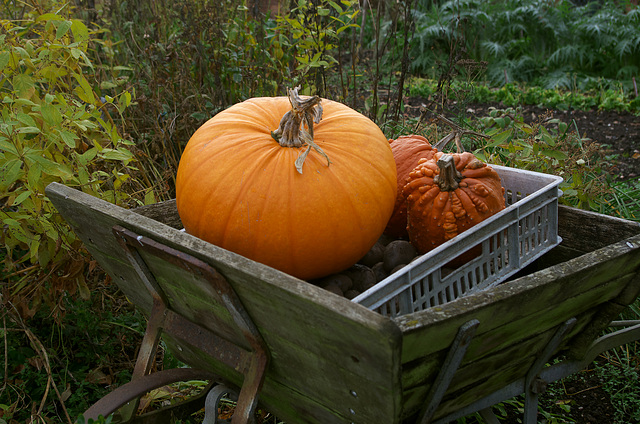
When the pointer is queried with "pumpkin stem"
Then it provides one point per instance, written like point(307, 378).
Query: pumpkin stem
point(292, 132)
point(449, 177)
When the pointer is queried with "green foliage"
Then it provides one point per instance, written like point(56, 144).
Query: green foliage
point(64, 369)
point(187, 61)
point(621, 380)
point(312, 31)
point(54, 127)
point(549, 146)
point(554, 45)
point(100, 420)
point(513, 95)
point(623, 202)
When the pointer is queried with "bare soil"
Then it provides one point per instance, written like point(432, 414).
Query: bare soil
point(618, 133)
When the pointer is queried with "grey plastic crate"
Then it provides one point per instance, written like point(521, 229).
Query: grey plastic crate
point(511, 239)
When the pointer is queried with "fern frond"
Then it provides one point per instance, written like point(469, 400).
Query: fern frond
point(494, 48)
point(633, 16)
point(560, 78)
point(624, 47)
point(626, 72)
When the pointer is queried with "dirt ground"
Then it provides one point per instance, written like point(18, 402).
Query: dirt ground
point(617, 132)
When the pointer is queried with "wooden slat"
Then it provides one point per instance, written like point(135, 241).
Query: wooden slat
point(587, 231)
point(164, 212)
point(509, 315)
point(492, 357)
point(344, 347)
point(434, 328)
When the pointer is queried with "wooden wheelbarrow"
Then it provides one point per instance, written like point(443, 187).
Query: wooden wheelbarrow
point(309, 356)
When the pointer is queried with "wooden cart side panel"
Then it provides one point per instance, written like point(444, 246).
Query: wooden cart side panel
point(344, 347)
point(419, 372)
point(511, 361)
point(479, 376)
point(586, 231)
point(510, 315)
point(426, 331)
point(342, 373)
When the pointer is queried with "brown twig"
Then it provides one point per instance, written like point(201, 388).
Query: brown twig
point(455, 135)
point(42, 352)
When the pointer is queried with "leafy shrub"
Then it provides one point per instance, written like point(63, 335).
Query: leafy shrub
point(554, 45)
point(188, 60)
point(312, 32)
point(56, 125)
point(550, 146)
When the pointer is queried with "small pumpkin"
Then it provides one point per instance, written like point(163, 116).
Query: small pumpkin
point(447, 195)
point(407, 152)
point(302, 184)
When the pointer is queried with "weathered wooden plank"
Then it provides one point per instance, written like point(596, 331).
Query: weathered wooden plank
point(588, 231)
point(510, 315)
point(467, 387)
point(485, 360)
point(511, 362)
point(433, 329)
point(164, 212)
point(337, 340)
point(341, 361)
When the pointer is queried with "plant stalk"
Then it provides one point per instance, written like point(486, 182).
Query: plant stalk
point(449, 177)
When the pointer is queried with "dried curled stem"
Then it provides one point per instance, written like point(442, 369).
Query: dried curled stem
point(292, 133)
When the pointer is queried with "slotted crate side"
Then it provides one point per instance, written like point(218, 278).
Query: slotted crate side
point(511, 239)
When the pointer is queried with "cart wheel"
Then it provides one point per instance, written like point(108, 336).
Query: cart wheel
point(212, 403)
point(132, 391)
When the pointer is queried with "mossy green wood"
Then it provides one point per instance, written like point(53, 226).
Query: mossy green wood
point(331, 360)
point(333, 345)
point(517, 319)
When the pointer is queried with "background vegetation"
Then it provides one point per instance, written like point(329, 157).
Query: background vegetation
point(103, 96)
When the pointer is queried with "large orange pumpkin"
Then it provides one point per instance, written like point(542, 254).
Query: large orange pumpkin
point(447, 195)
point(407, 152)
point(237, 186)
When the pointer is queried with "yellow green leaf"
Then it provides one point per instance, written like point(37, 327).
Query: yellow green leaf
point(85, 92)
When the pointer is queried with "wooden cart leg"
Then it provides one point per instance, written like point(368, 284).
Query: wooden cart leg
point(146, 355)
point(252, 362)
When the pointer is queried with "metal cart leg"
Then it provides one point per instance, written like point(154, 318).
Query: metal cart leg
point(212, 403)
point(450, 366)
point(136, 388)
point(534, 385)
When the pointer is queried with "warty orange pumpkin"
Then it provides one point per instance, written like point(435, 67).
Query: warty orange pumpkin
point(237, 186)
point(407, 152)
point(449, 194)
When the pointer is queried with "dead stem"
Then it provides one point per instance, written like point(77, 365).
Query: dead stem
point(42, 352)
point(456, 134)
